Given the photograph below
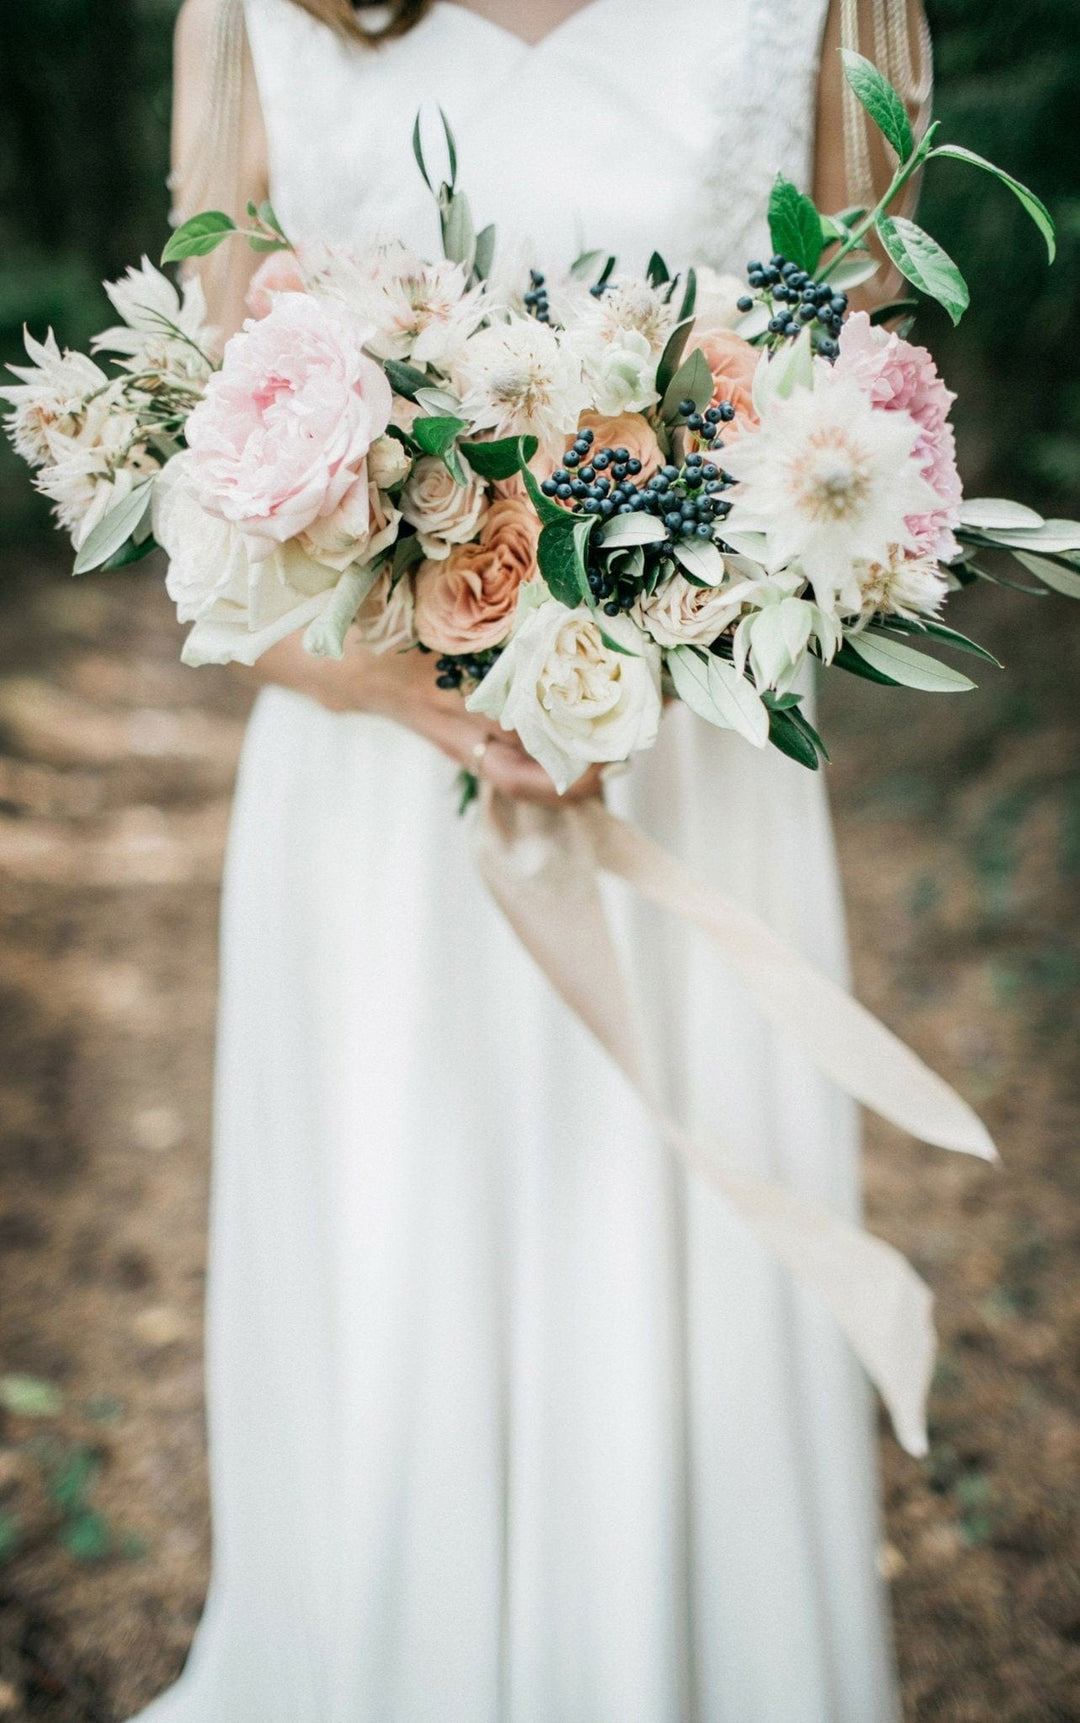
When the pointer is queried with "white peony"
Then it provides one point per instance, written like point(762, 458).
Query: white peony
point(571, 699)
point(240, 607)
point(829, 481)
point(443, 512)
point(161, 331)
point(679, 613)
point(517, 379)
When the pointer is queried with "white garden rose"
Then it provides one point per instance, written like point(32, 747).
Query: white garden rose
point(442, 511)
point(571, 699)
point(682, 614)
point(240, 606)
point(621, 372)
point(388, 462)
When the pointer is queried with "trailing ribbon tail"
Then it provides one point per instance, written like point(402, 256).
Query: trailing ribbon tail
point(542, 867)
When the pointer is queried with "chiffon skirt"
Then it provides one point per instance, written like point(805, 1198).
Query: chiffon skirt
point(510, 1420)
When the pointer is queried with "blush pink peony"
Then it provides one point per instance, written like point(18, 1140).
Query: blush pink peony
point(278, 273)
point(900, 377)
point(281, 437)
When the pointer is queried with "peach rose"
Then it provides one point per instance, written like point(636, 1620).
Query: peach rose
point(732, 362)
point(277, 273)
point(467, 602)
point(627, 431)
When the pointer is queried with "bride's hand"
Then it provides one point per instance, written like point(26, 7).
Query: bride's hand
point(401, 686)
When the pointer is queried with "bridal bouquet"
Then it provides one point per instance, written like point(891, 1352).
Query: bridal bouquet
point(578, 494)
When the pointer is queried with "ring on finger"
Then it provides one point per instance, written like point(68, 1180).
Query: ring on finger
point(479, 750)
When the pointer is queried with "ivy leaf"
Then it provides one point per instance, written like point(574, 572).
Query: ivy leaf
point(794, 224)
point(900, 664)
point(561, 555)
point(114, 528)
point(501, 459)
point(546, 507)
point(881, 102)
point(436, 433)
point(1035, 207)
point(714, 689)
point(692, 382)
point(923, 262)
point(199, 236)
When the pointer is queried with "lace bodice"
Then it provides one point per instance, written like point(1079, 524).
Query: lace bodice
point(634, 124)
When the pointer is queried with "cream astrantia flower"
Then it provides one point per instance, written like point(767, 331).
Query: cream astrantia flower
point(626, 305)
point(50, 398)
point(829, 481)
point(419, 310)
point(571, 699)
point(902, 585)
point(517, 378)
point(162, 331)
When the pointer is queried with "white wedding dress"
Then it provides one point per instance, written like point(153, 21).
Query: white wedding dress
point(511, 1420)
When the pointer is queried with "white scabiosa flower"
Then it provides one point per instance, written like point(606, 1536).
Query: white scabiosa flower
point(162, 330)
point(518, 378)
point(50, 398)
point(830, 483)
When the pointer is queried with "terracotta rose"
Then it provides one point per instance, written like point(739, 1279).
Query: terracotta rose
point(466, 602)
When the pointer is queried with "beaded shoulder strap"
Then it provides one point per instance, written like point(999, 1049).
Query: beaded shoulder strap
point(209, 178)
point(907, 65)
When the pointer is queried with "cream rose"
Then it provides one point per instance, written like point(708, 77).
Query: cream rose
point(571, 699)
point(682, 614)
point(363, 524)
point(466, 603)
point(443, 512)
point(385, 619)
point(388, 462)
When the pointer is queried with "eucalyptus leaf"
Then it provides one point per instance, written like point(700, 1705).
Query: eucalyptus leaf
point(436, 401)
point(753, 323)
point(501, 459)
point(852, 271)
point(1034, 206)
point(794, 224)
point(485, 251)
point(714, 689)
point(418, 152)
point(199, 236)
point(586, 266)
point(632, 529)
point(689, 298)
point(907, 667)
point(114, 528)
point(1055, 574)
point(700, 558)
point(881, 102)
point(459, 235)
point(923, 262)
point(692, 382)
point(561, 555)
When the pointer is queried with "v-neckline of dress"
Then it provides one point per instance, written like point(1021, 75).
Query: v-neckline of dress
point(513, 36)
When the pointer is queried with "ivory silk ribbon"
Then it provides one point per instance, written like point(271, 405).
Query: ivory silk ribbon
point(542, 866)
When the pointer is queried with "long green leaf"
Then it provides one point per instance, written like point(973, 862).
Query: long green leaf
point(671, 357)
point(794, 224)
point(881, 102)
point(199, 236)
point(909, 668)
point(923, 262)
point(1055, 574)
point(1034, 206)
point(692, 382)
point(714, 689)
point(114, 529)
point(937, 631)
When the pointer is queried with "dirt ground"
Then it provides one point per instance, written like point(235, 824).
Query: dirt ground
point(959, 828)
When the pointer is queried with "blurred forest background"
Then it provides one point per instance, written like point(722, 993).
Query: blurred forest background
point(959, 829)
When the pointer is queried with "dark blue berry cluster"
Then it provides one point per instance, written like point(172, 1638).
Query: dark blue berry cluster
point(600, 481)
point(453, 670)
point(536, 300)
point(796, 299)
